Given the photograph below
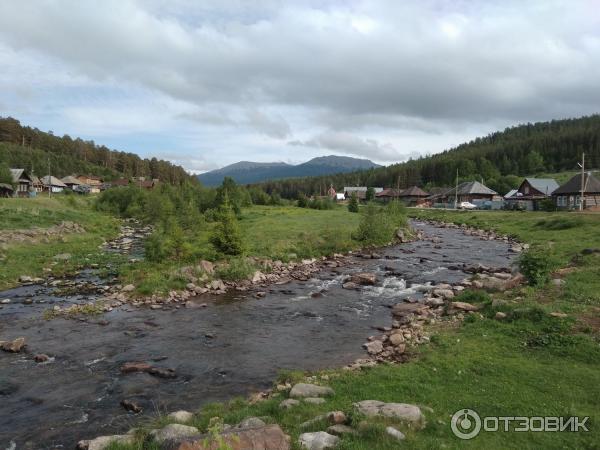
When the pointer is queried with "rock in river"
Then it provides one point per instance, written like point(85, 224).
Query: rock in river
point(13, 346)
point(364, 278)
point(310, 390)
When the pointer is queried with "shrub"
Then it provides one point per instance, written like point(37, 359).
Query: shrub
point(373, 228)
point(353, 205)
point(536, 264)
point(547, 205)
point(302, 201)
point(236, 269)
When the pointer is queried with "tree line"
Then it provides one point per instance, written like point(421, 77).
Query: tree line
point(43, 152)
point(500, 160)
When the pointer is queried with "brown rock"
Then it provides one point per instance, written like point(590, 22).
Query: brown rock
point(41, 358)
point(13, 346)
point(131, 406)
point(364, 278)
point(464, 306)
point(131, 367)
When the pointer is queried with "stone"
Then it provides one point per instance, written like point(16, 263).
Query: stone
point(257, 277)
point(350, 285)
point(310, 390)
point(373, 347)
point(25, 279)
point(443, 293)
point(434, 301)
point(5, 301)
point(289, 403)
point(558, 282)
point(40, 358)
point(128, 288)
point(251, 422)
point(173, 432)
point(319, 440)
point(217, 285)
point(14, 346)
point(181, 416)
point(270, 437)
point(396, 434)
point(500, 315)
point(364, 278)
point(405, 412)
point(340, 430)
point(62, 257)
point(207, 267)
point(314, 400)
point(103, 442)
point(336, 417)
point(396, 339)
point(131, 367)
point(464, 306)
point(131, 406)
point(558, 315)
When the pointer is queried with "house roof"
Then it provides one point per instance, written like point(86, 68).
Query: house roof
point(389, 192)
point(6, 186)
point(355, 189)
point(510, 193)
point(49, 180)
point(573, 186)
point(544, 185)
point(470, 188)
point(70, 180)
point(18, 174)
point(36, 180)
point(414, 191)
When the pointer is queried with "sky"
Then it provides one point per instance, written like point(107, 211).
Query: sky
point(212, 82)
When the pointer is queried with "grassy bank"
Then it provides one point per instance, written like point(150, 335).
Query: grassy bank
point(30, 258)
point(530, 364)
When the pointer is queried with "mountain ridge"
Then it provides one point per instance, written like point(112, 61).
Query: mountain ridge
point(248, 172)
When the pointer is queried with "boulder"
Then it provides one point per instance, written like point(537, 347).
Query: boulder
point(128, 288)
point(310, 390)
point(270, 437)
point(257, 277)
point(14, 346)
point(289, 403)
point(173, 432)
point(350, 285)
point(500, 315)
point(181, 416)
point(40, 358)
point(207, 267)
point(373, 347)
point(340, 430)
point(318, 441)
point(251, 422)
point(314, 400)
point(443, 293)
point(558, 315)
point(405, 412)
point(131, 406)
point(464, 306)
point(364, 278)
point(396, 434)
point(103, 442)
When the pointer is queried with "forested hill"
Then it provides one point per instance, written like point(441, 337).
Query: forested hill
point(30, 148)
point(498, 159)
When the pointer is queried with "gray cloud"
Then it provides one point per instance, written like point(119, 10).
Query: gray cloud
point(331, 70)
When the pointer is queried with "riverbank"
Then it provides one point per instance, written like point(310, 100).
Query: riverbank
point(539, 357)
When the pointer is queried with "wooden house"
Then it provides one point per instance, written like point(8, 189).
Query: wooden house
point(53, 184)
point(531, 192)
point(22, 181)
point(71, 182)
point(388, 194)
point(95, 183)
point(413, 196)
point(568, 196)
point(469, 191)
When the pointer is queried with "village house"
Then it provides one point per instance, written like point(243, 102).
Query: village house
point(22, 182)
point(53, 184)
point(360, 191)
point(568, 196)
point(37, 184)
point(71, 182)
point(95, 183)
point(388, 194)
point(470, 191)
point(531, 192)
point(413, 196)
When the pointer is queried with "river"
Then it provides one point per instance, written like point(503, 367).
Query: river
point(231, 347)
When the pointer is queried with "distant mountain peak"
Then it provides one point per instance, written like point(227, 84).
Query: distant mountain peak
point(248, 172)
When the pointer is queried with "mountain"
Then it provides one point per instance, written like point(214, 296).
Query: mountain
point(500, 159)
point(246, 172)
point(35, 150)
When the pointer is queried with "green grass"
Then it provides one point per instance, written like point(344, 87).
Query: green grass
point(31, 258)
point(528, 364)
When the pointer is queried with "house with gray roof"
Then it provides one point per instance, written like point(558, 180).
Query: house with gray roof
point(469, 191)
point(568, 196)
point(53, 184)
point(22, 181)
point(531, 192)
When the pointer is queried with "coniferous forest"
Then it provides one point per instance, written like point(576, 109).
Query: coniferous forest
point(500, 160)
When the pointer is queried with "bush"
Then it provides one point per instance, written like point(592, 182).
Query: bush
point(548, 205)
point(302, 201)
point(373, 228)
point(236, 269)
point(353, 205)
point(536, 264)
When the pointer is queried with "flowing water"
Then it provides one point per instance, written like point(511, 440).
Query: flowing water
point(233, 346)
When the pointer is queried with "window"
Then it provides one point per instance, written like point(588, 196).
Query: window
point(526, 190)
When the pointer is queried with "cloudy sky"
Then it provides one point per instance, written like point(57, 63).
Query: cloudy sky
point(211, 82)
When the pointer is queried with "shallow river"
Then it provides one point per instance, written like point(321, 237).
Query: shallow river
point(233, 346)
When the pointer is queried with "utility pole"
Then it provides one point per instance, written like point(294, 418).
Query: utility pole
point(49, 180)
point(582, 181)
point(456, 191)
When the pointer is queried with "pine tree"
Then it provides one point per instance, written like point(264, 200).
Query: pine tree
point(227, 237)
point(353, 205)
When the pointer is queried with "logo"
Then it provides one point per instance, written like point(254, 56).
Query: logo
point(466, 424)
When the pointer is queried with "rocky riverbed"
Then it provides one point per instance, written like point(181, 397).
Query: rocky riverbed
point(103, 372)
